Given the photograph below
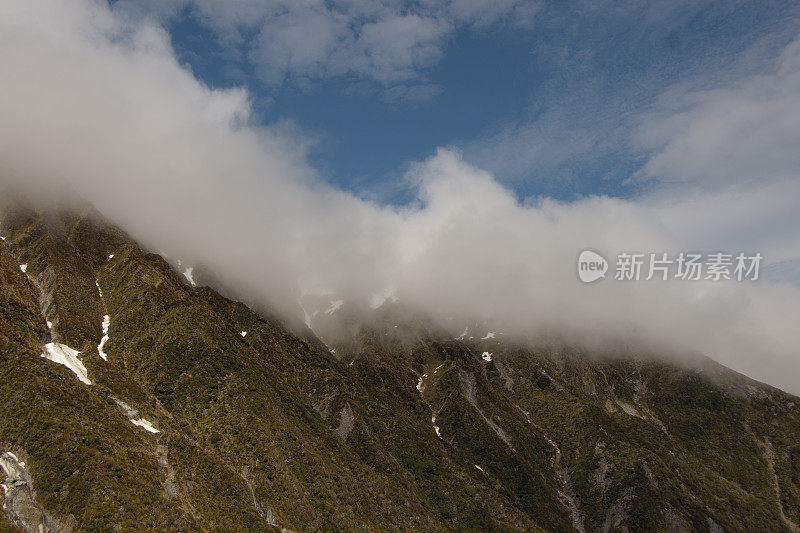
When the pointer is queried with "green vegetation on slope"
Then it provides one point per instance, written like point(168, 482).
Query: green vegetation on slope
point(273, 428)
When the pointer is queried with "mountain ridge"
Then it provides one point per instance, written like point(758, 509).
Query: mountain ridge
point(401, 427)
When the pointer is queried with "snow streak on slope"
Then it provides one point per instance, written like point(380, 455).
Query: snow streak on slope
point(435, 427)
point(64, 355)
point(106, 323)
point(54, 351)
point(133, 415)
point(144, 424)
point(189, 277)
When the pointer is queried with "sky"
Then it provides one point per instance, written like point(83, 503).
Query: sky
point(457, 155)
point(544, 95)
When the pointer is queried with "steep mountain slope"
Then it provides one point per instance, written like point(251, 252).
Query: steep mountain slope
point(634, 444)
point(198, 413)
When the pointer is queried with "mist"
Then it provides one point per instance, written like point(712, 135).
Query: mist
point(100, 103)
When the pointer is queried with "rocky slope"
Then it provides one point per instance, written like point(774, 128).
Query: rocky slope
point(198, 414)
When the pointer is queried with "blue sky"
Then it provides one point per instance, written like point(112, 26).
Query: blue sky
point(548, 105)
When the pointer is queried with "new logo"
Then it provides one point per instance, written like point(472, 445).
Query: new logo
point(591, 266)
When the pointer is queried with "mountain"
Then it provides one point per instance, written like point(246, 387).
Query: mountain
point(133, 400)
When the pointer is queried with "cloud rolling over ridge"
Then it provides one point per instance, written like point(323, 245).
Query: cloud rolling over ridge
point(101, 103)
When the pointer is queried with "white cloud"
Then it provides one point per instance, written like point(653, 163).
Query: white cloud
point(747, 131)
point(387, 42)
point(102, 104)
point(322, 43)
point(297, 43)
point(413, 94)
point(725, 160)
point(480, 13)
point(395, 47)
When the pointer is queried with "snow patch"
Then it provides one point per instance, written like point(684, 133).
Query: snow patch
point(420, 384)
point(435, 427)
point(479, 468)
point(243, 333)
point(144, 424)
point(487, 356)
point(489, 335)
point(24, 267)
point(111, 256)
point(64, 355)
point(133, 415)
point(463, 334)
point(189, 277)
point(106, 323)
point(99, 290)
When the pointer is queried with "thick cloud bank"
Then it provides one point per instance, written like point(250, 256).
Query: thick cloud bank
point(99, 103)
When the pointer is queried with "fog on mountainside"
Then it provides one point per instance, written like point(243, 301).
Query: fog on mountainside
point(101, 104)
